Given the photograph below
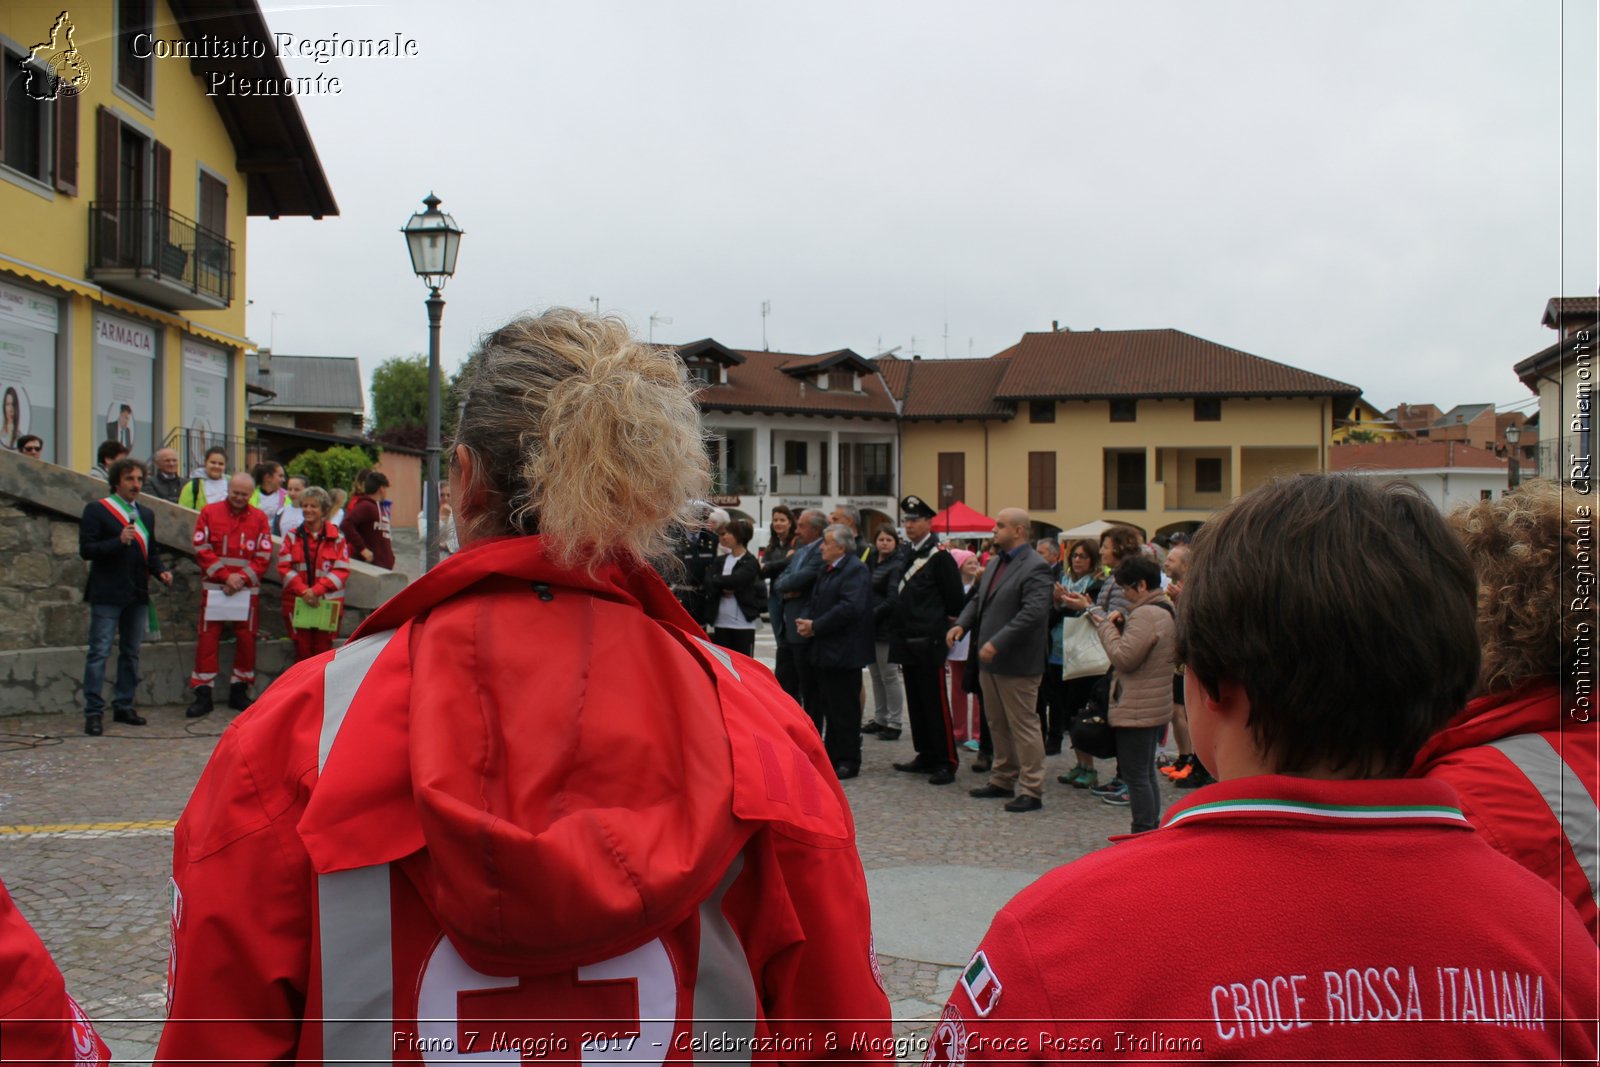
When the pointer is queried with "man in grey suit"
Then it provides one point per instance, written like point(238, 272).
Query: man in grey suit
point(1008, 617)
point(795, 585)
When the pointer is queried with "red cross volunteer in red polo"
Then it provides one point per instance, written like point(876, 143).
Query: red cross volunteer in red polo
point(527, 810)
point(1329, 909)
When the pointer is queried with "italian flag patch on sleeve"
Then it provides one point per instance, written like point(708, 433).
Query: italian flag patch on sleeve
point(982, 985)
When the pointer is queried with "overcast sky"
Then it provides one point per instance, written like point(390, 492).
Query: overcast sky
point(1383, 192)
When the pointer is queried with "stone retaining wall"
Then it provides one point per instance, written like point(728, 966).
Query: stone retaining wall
point(44, 622)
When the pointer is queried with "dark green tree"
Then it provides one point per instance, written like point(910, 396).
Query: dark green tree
point(400, 402)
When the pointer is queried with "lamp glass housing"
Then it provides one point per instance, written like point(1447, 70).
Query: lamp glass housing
point(433, 239)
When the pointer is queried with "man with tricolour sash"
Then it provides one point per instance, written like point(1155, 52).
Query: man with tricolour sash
point(114, 535)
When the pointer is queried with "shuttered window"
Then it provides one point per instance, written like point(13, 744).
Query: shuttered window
point(67, 143)
point(1041, 481)
point(952, 477)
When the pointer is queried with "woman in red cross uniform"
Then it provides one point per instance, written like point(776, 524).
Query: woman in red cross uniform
point(313, 567)
point(528, 809)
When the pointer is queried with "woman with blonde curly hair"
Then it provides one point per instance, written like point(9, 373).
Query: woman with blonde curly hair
point(1523, 754)
point(528, 790)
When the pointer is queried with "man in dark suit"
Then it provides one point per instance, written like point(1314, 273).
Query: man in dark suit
point(839, 626)
point(1007, 617)
point(114, 535)
point(794, 585)
point(930, 596)
point(121, 431)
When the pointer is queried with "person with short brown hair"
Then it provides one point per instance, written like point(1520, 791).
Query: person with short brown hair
point(1333, 911)
point(1524, 755)
point(734, 590)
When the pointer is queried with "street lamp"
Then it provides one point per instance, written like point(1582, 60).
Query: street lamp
point(761, 499)
point(1513, 434)
point(433, 239)
point(949, 492)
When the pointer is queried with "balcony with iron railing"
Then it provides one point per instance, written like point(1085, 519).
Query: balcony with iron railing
point(145, 250)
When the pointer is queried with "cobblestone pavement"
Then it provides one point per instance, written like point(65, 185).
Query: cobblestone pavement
point(85, 846)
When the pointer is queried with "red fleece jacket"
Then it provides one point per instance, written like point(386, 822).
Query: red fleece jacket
point(560, 775)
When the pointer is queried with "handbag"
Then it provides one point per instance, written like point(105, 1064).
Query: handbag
point(1091, 733)
point(1082, 654)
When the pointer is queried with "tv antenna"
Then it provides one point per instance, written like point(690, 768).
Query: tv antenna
point(655, 317)
point(766, 309)
point(595, 300)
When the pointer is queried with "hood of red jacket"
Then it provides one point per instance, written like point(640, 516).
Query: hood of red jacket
point(1525, 710)
point(579, 764)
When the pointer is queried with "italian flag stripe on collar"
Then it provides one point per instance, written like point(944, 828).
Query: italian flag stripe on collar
point(1318, 812)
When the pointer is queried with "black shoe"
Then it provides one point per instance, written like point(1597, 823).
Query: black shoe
point(1196, 778)
point(94, 725)
point(916, 766)
point(1052, 747)
point(942, 776)
point(1024, 803)
point(982, 764)
point(990, 792)
point(846, 770)
point(201, 703)
point(239, 696)
point(128, 715)
point(886, 734)
point(873, 727)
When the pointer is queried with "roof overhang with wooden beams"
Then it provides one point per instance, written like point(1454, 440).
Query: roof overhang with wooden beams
point(706, 348)
point(1564, 311)
point(842, 359)
point(274, 153)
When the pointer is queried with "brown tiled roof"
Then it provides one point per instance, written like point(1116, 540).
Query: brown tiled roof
point(760, 384)
point(1150, 363)
point(896, 373)
point(1410, 455)
point(1574, 309)
point(954, 389)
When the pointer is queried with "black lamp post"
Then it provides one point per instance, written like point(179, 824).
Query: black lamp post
point(949, 493)
point(1513, 435)
point(433, 239)
point(761, 499)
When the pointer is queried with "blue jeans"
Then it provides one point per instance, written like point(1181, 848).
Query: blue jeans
point(105, 622)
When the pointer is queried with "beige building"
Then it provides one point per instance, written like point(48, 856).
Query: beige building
point(1157, 428)
point(1563, 377)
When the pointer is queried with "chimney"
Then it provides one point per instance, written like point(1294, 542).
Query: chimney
point(916, 357)
point(1055, 325)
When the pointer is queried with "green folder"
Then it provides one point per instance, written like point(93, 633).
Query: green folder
point(323, 615)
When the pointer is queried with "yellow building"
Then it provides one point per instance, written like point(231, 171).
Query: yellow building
point(1366, 425)
point(125, 188)
point(1157, 428)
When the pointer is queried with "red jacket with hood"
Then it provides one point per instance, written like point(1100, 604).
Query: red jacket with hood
point(39, 1020)
point(1527, 781)
point(531, 807)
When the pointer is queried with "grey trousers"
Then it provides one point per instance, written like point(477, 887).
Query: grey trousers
point(888, 689)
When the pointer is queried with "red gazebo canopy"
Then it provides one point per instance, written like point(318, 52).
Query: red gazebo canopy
point(960, 519)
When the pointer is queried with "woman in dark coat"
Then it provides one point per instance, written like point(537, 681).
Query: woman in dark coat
point(888, 565)
point(734, 593)
point(773, 561)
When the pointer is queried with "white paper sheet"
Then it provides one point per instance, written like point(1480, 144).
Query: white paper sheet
point(220, 607)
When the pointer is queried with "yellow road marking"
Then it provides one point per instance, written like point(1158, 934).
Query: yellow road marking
point(87, 827)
